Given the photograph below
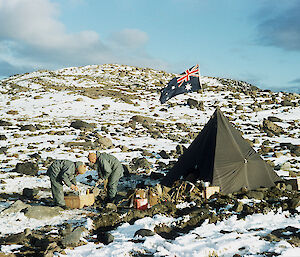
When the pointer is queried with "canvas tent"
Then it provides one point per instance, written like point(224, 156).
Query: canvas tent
point(220, 155)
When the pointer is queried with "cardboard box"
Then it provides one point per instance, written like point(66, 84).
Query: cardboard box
point(153, 198)
point(141, 193)
point(78, 201)
point(209, 191)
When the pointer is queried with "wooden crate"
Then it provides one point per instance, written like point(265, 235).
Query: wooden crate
point(79, 201)
point(209, 191)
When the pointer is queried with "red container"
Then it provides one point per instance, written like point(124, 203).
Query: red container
point(141, 204)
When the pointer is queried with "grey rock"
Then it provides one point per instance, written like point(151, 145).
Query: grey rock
point(15, 207)
point(272, 127)
point(164, 154)
point(27, 168)
point(274, 119)
point(30, 127)
point(4, 123)
point(79, 124)
point(144, 232)
point(42, 212)
point(3, 137)
point(30, 192)
point(73, 238)
point(256, 195)
point(105, 237)
point(3, 150)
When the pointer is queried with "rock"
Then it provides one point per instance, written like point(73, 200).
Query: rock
point(85, 145)
point(79, 124)
point(105, 237)
point(180, 149)
point(27, 168)
point(30, 192)
point(73, 238)
point(35, 156)
point(274, 119)
point(164, 154)
point(15, 207)
point(144, 232)
point(3, 137)
point(142, 119)
point(256, 195)
point(3, 150)
point(42, 212)
point(104, 142)
point(294, 203)
point(140, 163)
point(287, 103)
point(286, 166)
point(28, 127)
point(19, 238)
point(4, 123)
point(269, 126)
point(192, 103)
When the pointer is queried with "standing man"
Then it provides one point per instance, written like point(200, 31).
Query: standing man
point(110, 168)
point(64, 172)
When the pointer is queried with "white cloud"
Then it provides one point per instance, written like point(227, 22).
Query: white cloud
point(132, 38)
point(33, 36)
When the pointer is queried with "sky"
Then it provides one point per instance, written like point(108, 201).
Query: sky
point(257, 41)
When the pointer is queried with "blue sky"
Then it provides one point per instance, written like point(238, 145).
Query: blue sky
point(257, 41)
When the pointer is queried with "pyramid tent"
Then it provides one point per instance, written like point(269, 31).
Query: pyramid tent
point(220, 155)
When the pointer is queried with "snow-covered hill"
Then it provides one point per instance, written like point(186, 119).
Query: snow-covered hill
point(121, 103)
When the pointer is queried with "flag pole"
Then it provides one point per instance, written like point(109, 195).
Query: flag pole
point(199, 77)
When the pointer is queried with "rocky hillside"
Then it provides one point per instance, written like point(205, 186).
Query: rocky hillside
point(64, 114)
point(121, 102)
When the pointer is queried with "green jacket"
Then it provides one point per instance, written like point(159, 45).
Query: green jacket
point(106, 164)
point(64, 171)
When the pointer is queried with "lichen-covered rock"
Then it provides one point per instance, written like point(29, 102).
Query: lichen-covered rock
point(27, 168)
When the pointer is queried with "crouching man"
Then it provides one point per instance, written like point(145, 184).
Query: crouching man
point(64, 172)
point(110, 168)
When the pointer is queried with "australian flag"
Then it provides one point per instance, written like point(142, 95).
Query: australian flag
point(188, 81)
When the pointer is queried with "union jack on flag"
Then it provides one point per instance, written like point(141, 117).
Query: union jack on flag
point(187, 81)
point(186, 76)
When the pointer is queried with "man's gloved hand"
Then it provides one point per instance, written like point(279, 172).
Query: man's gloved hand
point(74, 187)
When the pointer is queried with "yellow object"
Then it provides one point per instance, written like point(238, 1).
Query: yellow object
point(79, 201)
point(209, 191)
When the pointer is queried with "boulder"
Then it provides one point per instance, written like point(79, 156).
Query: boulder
point(27, 168)
point(30, 192)
point(3, 137)
point(72, 238)
point(42, 212)
point(105, 237)
point(274, 119)
point(79, 124)
point(3, 150)
point(144, 232)
point(28, 127)
point(4, 123)
point(15, 207)
point(272, 127)
point(104, 142)
point(140, 163)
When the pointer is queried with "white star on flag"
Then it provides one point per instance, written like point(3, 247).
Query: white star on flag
point(188, 86)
